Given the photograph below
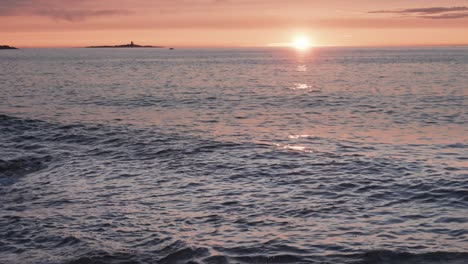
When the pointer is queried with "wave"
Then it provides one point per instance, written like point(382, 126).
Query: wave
point(396, 257)
point(11, 170)
point(189, 255)
point(121, 182)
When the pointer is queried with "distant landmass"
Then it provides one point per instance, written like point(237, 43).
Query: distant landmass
point(131, 45)
point(6, 47)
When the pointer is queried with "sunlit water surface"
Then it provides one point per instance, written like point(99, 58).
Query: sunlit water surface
point(234, 156)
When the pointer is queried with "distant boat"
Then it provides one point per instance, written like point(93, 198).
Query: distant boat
point(7, 47)
point(131, 45)
point(171, 48)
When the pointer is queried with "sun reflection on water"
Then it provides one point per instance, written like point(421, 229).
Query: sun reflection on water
point(301, 68)
point(301, 86)
point(300, 136)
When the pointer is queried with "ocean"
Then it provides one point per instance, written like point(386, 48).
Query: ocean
point(251, 155)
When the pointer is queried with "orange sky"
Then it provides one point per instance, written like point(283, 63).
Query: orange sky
point(74, 23)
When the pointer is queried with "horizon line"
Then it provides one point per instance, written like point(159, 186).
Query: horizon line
point(263, 46)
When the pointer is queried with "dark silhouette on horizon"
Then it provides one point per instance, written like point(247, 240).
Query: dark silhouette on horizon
point(7, 47)
point(131, 45)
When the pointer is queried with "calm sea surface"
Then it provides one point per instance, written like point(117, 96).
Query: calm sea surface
point(234, 156)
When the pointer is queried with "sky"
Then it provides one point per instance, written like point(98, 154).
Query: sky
point(232, 23)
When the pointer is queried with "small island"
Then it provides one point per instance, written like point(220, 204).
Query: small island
point(6, 47)
point(131, 45)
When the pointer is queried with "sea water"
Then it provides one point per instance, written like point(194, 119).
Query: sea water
point(333, 155)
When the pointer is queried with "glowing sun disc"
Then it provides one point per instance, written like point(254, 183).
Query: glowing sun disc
point(301, 43)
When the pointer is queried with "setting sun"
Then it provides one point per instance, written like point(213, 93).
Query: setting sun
point(301, 43)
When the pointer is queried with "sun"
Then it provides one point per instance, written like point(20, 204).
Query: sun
point(301, 42)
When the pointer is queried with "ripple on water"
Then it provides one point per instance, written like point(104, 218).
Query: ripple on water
point(167, 162)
